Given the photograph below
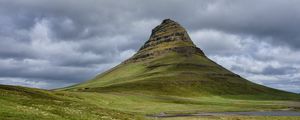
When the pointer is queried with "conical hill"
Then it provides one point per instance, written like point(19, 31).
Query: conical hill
point(170, 63)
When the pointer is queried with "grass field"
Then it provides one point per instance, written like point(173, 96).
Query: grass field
point(235, 118)
point(19, 103)
point(27, 103)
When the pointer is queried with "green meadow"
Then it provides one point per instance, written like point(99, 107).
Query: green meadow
point(20, 103)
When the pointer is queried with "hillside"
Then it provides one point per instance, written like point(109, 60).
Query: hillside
point(21, 103)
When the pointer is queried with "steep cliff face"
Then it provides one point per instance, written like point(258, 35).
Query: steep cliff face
point(170, 63)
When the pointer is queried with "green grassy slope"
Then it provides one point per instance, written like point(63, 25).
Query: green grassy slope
point(235, 118)
point(20, 103)
point(177, 75)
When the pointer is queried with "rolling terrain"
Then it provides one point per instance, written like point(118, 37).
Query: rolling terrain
point(21, 103)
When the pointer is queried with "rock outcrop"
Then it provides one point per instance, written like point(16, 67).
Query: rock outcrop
point(167, 37)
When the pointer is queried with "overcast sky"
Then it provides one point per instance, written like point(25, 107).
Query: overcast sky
point(55, 43)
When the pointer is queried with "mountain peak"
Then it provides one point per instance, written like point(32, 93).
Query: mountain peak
point(164, 25)
point(166, 38)
point(167, 20)
point(170, 64)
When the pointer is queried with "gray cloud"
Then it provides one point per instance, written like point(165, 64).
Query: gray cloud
point(55, 43)
point(255, 59)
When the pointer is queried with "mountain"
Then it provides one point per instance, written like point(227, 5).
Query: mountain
point(168, 75)
point(169, 63)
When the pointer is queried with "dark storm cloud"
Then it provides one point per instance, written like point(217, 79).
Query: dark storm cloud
point(268, 18)
point(279, 71)
point(69, 41)
point(74, 20)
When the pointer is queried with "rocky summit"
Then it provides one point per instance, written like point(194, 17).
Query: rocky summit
point(167, 37)
point(169, 63)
